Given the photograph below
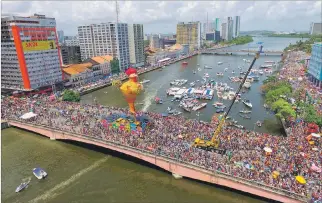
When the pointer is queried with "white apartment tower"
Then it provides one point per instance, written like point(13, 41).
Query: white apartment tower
point(236, 26)
point(105, 39)
point(136, 44)
point(30, 55)
point(230, 28)
point(224, 31)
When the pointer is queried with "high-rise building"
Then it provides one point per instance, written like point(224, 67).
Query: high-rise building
point(154, 42)
point(60, 34)
point(218, 25)
point(71, 41)
point(105, 39)
point(236, 26)
point(316, 28)
point(189, 33)
point(70, 54)
point(30, 55)
point(315, 67)
point(136, 44)
point(224, 31)
point(230, 28)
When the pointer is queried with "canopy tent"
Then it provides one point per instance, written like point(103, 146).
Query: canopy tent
point(267, 149)
point(28, 115)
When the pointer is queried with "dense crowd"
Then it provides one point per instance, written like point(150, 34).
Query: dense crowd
point(171, 136)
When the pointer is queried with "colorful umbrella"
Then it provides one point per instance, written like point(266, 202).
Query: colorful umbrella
point(267, 149)
point(300, 179)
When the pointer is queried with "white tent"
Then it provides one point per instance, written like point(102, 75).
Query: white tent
point(28, 115)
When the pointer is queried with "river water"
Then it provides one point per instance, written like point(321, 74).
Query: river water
point(83, 173)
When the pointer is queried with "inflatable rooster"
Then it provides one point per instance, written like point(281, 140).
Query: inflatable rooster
point(131, 88)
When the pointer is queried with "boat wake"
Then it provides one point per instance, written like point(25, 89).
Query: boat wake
point(148, 100)
point(54, 191)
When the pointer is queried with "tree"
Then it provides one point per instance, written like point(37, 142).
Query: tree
point(273, 95)
point(146, 43)
point(115, 67)
point(69, 95)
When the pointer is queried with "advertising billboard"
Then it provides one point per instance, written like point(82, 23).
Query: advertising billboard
point(39, 45)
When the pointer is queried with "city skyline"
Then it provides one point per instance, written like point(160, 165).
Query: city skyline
point(162, 17)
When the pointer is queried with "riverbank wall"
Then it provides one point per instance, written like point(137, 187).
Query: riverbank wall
point(4, 125)
point(174, 166)
point(145, 71)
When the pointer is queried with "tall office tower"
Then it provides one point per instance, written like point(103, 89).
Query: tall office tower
point(60, 34)
point(189, 33)
point(316, 28)
point(30, 55)
point(218, 25)
point(154, 42)
point(105, 39)
point(224, 31)
point(230, 28)
point(236, 26)
point(136, 44)
point(70, 54)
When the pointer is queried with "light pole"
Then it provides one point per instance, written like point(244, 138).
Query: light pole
point(198, 114)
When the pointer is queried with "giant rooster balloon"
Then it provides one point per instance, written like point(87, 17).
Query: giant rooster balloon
point(131, 88)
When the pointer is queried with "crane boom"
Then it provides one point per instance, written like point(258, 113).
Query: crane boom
point(222, 121)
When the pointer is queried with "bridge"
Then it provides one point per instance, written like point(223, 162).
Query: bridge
point(240, 52)
point(172, 165)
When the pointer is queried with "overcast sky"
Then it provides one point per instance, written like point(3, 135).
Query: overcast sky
point(162, 16)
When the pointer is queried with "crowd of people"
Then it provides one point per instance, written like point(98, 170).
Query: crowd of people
point(172, 137)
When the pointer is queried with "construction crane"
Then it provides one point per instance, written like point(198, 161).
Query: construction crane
point(214, 143)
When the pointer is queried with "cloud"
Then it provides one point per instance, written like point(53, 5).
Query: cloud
point(162, 16)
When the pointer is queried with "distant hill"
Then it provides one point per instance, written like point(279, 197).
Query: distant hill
point(257, 32)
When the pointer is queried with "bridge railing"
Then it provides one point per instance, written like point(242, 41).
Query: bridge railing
point(186, 164)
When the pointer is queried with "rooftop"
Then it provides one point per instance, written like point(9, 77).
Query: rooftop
point(77, 68)
point(102, 59)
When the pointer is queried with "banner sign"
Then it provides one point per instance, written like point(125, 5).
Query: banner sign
point(39, 45)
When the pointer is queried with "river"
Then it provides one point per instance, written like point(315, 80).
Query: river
point(82, 173)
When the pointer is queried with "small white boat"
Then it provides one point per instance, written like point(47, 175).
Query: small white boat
point(233, 72)
point(39, 173)
point(194, 72)
point(22, 186)
point(245, 111)
point(220, 74)
point(261, 72)
point(176, 176)
point(226, 69)
point(192, 84)
point(200, 106)
point(199, 69)
point(247, 103)
point(247, 84)
point(206, 75)
point(259, 124)
point(219, 63)
point(145, 81)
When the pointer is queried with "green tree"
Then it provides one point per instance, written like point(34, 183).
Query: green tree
point(115, 67)
point(69, 95)
point(146, 43)
point(273, 95)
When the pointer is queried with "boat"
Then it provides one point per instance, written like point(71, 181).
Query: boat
point(226, 69)
point(219, 63)
point(185, 63)
point(22, 186)
point(233, 72)
point(220, 74)
point(244, 116)
point(144, 81)
point(245, 111)
point(239, 126)
point(207, 67)
point(218, 104)
point(242, 73)
point(247, 103)
point(219, 110)
point(261, 72)
point(39, 173)
point(194, 72)
point(192, 84)
point(176, 176)
point(206, 75)
point(199, 69)
point(176, 113)
point(265, 106)
point(259, 124)
point(247, 84)
point(200, 106)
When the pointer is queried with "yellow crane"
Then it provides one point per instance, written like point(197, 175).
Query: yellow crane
point(214, 143)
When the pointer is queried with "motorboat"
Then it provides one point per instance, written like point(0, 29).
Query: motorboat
point(239, 126)
point(185, 63)
point(219, 110)
point(22, 186)
point(244, 116)
point(206, 75)
point(200, 106)
point(208, 67)
point(259, 124)
point(218, 104)
point(242, 73)
point(219, 63)
point(39, 173)
point(144, 81)
point(194, 72)
point(176, 113)
point(199, 69)
point(220, 74)
point(233, 72)
point(158, 100)
point(226, 69)
point(247, 103)
point(261, 72)
point(192, 84)
point(245, 111)
point(247, 85)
